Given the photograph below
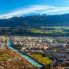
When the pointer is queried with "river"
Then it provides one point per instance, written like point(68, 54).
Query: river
point(29, 59)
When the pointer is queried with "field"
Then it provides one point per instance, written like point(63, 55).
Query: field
point(36, 31)
point(40, 58)
point(50, 30)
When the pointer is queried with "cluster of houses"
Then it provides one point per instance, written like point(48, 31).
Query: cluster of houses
point(56, 48)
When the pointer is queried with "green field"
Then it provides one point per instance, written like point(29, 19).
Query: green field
point(40, 58)
point(50, 30)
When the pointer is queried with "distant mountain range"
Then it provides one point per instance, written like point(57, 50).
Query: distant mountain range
point(36, 21)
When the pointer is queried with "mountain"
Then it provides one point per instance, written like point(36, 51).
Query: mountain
point(36, 21)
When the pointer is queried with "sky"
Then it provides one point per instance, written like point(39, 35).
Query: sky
point(10, 8)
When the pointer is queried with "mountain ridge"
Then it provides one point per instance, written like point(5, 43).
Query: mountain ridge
point(36, 20)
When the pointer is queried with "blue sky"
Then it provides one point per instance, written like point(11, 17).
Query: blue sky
point(8, 7)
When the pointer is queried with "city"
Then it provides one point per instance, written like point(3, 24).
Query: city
point(54, 48)
point(51, 52)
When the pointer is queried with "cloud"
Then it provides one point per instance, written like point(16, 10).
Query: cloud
point(37, 9)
